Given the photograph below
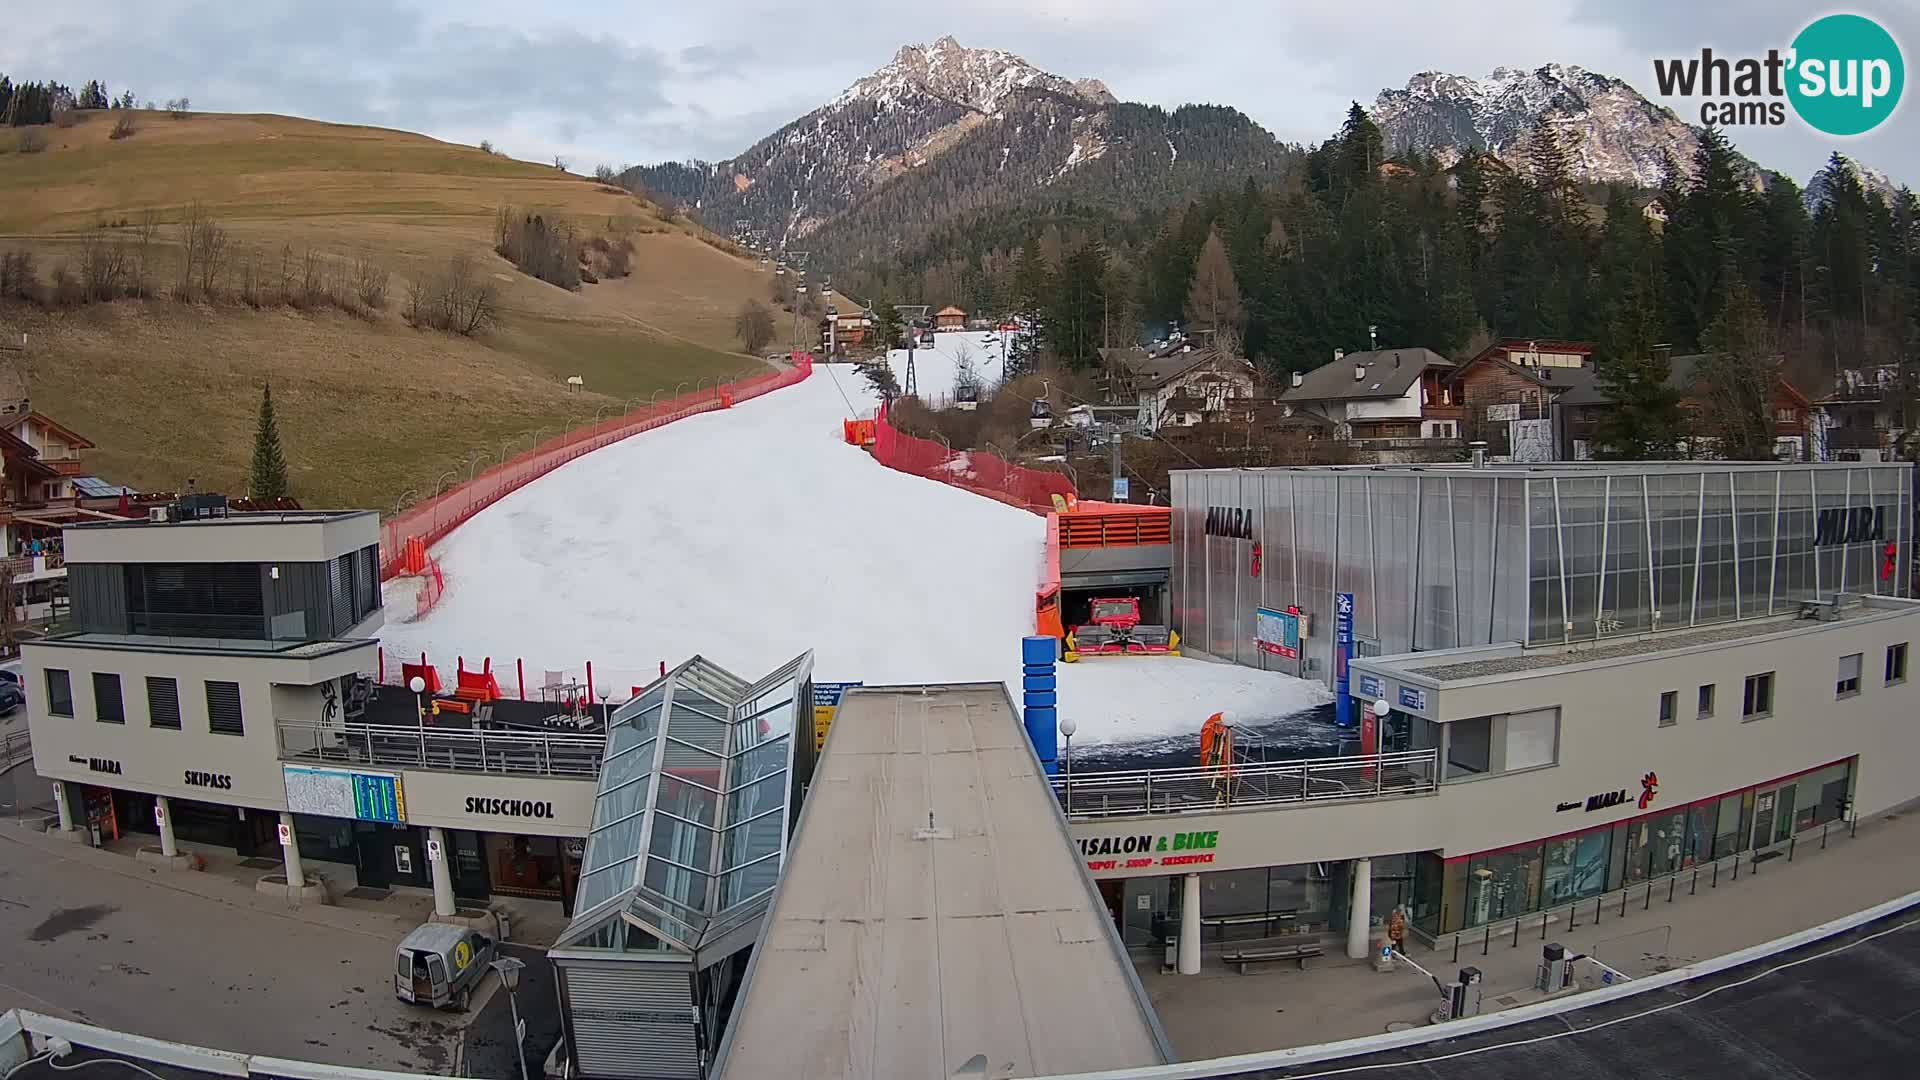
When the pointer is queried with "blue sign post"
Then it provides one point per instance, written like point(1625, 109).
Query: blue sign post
point(1342, 653)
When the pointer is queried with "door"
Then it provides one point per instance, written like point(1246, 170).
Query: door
point(470, 881)
point(374, 862)
point(1763, 814)
point(256, 834)
point(1113, 892)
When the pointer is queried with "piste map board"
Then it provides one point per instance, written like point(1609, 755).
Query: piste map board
point(342, 794)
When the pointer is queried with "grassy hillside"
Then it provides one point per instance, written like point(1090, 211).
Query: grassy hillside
point(371, 409)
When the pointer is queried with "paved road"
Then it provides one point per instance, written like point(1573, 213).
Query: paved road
point(489, 1039)
point(134, 954)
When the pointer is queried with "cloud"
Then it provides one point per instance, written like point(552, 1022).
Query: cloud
point(586, 79)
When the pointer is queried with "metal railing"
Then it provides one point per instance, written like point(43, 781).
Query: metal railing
point(14, 749)
point(1199, 789)
point(485, 751)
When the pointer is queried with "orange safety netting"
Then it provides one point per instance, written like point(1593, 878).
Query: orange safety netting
point(432, 519)
point(977, 471)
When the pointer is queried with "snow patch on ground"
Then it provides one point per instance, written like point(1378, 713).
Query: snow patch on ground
point(752, 534)
point(1123, 699)
point(935, 370)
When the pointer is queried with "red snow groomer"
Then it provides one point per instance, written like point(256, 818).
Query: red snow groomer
point(1114, 629)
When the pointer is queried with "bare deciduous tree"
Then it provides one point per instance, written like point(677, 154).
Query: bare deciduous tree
point(370, 282)
point(213, 256)
point(458, 300)
point(145, 234)
point(103, 267)
point(124, 125)
point(190, 230)
point(753, 325)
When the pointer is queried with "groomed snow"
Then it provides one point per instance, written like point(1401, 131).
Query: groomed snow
point(935, 369)
point(753, 534)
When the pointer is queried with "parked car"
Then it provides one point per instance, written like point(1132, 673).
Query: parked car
point(11, 697)
point(440, 964)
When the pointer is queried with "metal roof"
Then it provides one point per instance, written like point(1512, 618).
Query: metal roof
point(934, 908)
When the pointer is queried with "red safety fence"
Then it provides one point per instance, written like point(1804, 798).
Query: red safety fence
point(977, 471)
point(432, 519)
point(1046, 598)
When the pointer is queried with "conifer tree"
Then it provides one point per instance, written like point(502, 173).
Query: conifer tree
point(269, 474)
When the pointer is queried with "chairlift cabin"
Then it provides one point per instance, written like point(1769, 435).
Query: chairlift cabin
point(967, 397)
point(1041, 415)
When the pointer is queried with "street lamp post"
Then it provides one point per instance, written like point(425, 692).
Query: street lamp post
point(1067, 728)
point(418, 685)
point(508, 968)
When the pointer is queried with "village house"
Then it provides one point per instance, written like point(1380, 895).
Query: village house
point(1523, 398)
point(1859, 418)
point(1393, 405)
point(950, 318)
point(1180, 384)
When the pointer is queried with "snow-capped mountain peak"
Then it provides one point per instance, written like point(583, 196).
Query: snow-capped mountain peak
point(978, 79)
point(1611, 132)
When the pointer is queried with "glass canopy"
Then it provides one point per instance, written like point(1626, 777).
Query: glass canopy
point(690, 820)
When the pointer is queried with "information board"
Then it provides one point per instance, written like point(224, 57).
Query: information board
point(1277, 632)
point(339, 793)
point(826, 702)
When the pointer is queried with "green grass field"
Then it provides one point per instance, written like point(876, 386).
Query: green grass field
point(372, 410)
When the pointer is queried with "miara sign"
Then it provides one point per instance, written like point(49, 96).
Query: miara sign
point(1849, 525)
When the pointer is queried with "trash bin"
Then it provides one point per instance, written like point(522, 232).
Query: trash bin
point(505, 918)
point(1173, 952)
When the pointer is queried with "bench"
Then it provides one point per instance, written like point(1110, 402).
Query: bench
point(1300, 953)
point(1219, 923)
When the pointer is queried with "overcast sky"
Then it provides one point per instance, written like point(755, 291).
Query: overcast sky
point(606, 81)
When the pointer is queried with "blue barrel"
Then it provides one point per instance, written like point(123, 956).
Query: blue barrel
point(1037, 656)
point(1039, 649)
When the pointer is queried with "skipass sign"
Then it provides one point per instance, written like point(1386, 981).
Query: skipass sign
point(1842, 74)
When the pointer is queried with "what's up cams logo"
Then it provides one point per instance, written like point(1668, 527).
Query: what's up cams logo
point(1842, 75)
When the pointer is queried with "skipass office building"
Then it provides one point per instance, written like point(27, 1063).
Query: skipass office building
point(1595, 675)
point(213, 685)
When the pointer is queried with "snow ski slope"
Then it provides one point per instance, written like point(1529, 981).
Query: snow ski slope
point(751, 534)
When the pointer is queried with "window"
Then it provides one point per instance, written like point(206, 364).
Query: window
point(1896, 663)
point(223, 708)
point(1533, 739)
point(163, 702)
point(59, 693)
point(1469, 746)
point(1759, 697)
point(107, 706)
point(1848, 682)
point(1669, 708)
point(1706, 700)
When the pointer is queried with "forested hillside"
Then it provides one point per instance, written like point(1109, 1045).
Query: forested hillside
point(1345, 239)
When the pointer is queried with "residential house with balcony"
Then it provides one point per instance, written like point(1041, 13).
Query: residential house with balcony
point(1519, 395)
point(1859, 418)
point(1180, 383)
point(1392, 405)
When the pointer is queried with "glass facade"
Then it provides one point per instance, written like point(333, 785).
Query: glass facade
point(1246, 905)
point(1441, 557)
point(1474, 890)
point(692, 813)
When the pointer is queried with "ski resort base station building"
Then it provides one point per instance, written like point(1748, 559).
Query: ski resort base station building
point(1594, 676)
